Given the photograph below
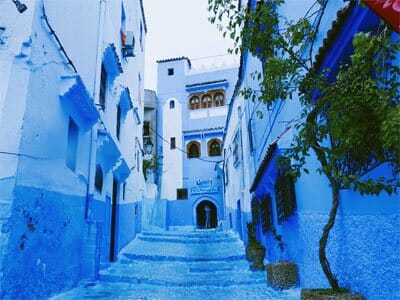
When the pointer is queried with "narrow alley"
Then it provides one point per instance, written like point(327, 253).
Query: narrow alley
point(181, 264)
point(200, 149)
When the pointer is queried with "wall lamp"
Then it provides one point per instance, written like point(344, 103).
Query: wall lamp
point(20, 6)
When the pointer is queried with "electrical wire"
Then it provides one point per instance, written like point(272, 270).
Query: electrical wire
point(212, 56)
point(183, 151)
point(24, 155)
point(53, 33)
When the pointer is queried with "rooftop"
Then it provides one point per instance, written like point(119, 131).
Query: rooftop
point(174, 59)
point(206, 83)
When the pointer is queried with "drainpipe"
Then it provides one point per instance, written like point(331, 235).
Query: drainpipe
point(96, 92)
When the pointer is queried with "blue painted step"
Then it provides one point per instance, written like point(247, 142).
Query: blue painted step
point(189, 235)
point(182, 258)
point(196, 240)
point(186, 283)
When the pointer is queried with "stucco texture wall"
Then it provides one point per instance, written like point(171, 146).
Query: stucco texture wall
point(45, 244)
point(362, 250)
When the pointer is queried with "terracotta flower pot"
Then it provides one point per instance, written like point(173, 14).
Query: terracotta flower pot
point(329, 294)
point(282, 275)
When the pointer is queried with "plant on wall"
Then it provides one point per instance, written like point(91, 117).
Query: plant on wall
point(349, 118)
point(150, 165)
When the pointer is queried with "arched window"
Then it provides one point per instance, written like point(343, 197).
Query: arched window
point(214, 147)
point(194, 102)
point(171, 104)
point(206, 101)
point(193, 149)
point(219, 99)
point(98, 180)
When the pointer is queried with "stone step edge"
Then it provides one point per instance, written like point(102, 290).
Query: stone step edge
point(182, 258)
point(127, 266)
point(191, 283)
point(189, 235)
point(234, 264)
point(187, 241)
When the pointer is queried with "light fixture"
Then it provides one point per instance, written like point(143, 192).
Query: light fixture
point(148, 147)
point(20, 6)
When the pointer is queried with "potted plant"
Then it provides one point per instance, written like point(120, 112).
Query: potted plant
point(331, 294)
point(282, 274)
point(149, 166)
point(255, 252)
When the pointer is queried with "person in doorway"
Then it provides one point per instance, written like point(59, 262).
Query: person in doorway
point(208, 216)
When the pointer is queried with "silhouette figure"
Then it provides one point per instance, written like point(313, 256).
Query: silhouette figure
point(208, 216)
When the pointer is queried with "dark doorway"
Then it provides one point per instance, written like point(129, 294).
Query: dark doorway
point(113, 219)
point(201, 215)
point(239, 220)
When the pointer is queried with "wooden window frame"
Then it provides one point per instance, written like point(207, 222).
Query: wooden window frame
point(210, 143)
point(189, 145)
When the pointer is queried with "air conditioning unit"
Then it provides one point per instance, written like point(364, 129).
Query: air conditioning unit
point(129, 46)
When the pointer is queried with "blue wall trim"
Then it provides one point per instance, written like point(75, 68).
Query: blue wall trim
point(207, 87)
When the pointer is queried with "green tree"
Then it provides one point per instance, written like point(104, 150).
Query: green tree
point(351, 122)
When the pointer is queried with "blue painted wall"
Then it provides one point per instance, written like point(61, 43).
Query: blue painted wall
point(129, 220)
point(46, 234)
point(363, 247)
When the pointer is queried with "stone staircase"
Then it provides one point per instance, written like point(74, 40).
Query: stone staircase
point(181, 264)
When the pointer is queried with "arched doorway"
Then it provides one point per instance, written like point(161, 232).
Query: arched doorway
point(201, 215)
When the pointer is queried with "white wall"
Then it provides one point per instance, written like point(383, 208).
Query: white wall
point(172, 158)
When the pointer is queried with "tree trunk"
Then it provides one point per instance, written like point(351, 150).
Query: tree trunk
point(332, 216)
point(324, 239)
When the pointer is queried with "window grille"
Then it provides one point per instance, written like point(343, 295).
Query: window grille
point(255, 210)
point(214, 148)
point(206, 101)
point(219, 99)
point(285, 196)
point(194, 103)
point(266, 213)
point(193, 150)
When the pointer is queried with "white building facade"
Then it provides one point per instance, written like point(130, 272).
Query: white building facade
point(193, 109)
point(71, 181)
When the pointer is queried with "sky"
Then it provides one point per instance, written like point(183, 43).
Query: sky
point(178, 28)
